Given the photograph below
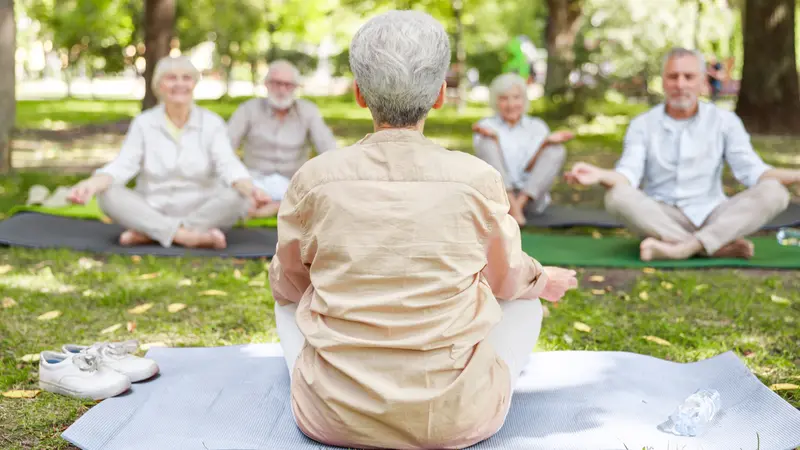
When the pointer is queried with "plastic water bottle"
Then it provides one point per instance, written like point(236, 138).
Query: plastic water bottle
point(695, 413)
point(789, 237)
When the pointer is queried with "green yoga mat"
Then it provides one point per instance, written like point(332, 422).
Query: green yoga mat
point(91, 211)
point(585, 251)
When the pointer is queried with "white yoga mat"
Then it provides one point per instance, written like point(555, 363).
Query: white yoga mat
point(237, 398)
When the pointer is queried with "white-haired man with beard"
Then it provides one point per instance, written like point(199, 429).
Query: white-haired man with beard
point(676, 152)
point(276, 132)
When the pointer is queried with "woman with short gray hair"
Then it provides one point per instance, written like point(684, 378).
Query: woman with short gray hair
point(405, 306)
point(189, 182)
point(528, 156)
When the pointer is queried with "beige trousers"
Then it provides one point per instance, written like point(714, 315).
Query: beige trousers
point(131, 211)
point(741, 215)
point(542, 176)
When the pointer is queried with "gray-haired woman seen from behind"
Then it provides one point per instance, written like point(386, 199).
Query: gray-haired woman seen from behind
point(405, 306)
point(189, 183)
point(520, 147)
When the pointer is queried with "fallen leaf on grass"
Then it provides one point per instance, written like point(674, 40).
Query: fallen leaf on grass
point(596, 235)
point(88, 263)
point(657, 340)
point(780, 300)
point(749, 354)
point(545, 311)
point(237, 274)
point(648, 270)
point(106, 220)
point(88, 293)
point(50, 315)
point(598, 291)
point(21, 393)
point(184, 282)
point(666, 285)
point(784, 387)
point(140, 308)
point(29, 357)
point(150, 345)
point(8, 302)
point(257, 283)
point(701, 287)
point(136, 259)
point(111, 329)
point(597, 278)
point(131, 326)
point(644, 295)
point(212, 275)
point(567, 338)
point(580, 326)
point(214, 292)
point(175, 307)
point(148, 276)
point(5, 268)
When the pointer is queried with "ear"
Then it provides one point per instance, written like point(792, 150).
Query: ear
point(442, 95)
point(359, 98)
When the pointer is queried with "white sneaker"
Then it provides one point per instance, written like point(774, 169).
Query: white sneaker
point(118, 356)
point(79, 376)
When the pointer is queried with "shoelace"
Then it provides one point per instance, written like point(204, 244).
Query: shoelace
point(116, 350)
point(86, 362)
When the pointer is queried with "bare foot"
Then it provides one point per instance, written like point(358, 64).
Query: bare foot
point(213, 238)
point(651, 249)
point(740, 248)
point(129, 238)
point(267, 210)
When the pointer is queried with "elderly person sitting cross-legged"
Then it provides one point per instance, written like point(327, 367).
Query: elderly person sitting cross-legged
point(405, 305)
point(276, 132)
point(676, 153)
point(520, 147)
point(189, 183)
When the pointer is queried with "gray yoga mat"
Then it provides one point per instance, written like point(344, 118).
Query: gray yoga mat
point(36, 230)
point(557, 216)
point(237, 397)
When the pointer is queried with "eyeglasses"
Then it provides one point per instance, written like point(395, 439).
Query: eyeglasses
point(282, 84)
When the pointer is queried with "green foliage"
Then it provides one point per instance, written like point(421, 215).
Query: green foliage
point(88, 28)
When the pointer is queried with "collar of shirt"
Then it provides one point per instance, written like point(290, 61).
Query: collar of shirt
point(668, 123)
point(394, 135)
point(160, 120)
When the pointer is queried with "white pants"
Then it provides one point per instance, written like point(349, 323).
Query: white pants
point(513, 338)
point(275, 185)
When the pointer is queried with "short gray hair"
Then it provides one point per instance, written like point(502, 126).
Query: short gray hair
point(169, 64)
point(677, 52)
point(504, 83)
point(399, 60)
point(282, 64)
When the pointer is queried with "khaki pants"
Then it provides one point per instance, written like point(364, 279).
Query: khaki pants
point(741, 215)
point(131, 211)
point(542, 176)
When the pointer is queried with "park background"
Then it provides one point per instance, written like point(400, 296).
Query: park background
point(73, 73)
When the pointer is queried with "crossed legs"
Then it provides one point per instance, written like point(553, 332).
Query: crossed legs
point(536, 189)
point(144, 224)
point(670, 235)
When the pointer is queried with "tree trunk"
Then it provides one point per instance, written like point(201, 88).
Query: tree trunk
point(159, 26)
point(8, 112)
point(769, 97)
point(563, 23)
point(461, 54)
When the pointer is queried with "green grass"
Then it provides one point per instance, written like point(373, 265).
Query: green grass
point(700, 313)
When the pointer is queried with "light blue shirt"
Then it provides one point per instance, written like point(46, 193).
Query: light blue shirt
point(680, 163)
point(519, 143)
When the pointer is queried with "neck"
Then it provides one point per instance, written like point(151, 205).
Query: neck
point(178, 113)
point(384, 127)
point(681, 114)
point(280, 113)
point(511, 123)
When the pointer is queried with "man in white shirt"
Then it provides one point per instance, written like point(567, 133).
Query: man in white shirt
point(676, 153)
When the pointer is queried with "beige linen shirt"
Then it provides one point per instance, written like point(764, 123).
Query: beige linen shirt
point(273, 145)
point(396, 251)
point(176, 176)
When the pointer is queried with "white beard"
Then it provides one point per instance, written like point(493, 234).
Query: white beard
point(281, 104)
